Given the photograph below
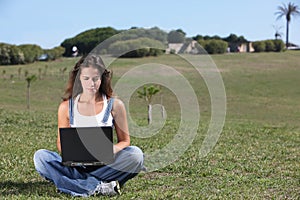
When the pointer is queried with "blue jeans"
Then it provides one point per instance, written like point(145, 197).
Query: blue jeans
point(77, 181)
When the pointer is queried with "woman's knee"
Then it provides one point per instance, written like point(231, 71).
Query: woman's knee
point(136, 155)
point(38, 159)
point(42, 156)
point(39, 155)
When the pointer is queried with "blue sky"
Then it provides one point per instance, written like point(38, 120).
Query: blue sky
point(49, 22)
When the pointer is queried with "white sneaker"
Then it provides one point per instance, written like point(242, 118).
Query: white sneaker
point(108, 189)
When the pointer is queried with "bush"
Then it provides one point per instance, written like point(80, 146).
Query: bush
point(55, 53)
point(140, 47)
point(16, 55)
point(10, 55)
point(278, 45)
point(4, 54)
point(214, 46)
point(27, 53)
point(259, 46)
point(31, 52)
point(87, 40)
point(176, 37)
point(268, 46)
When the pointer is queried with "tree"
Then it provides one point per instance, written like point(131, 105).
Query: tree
point(259, 46)
point(147, 93)
point(87, 40)
point(177, 36)
point(10, 54)
point(31, 52)
point(55, 52)
point(233, 38)
point(139, 47)
point(215, 46)
point(277, 34)
point(29, 79)
point(288, 11)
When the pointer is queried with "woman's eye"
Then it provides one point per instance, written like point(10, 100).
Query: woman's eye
point(95, 79)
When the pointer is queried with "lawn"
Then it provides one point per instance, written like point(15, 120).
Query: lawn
point(256, 156)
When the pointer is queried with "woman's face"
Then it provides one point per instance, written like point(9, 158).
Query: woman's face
point(90, 80)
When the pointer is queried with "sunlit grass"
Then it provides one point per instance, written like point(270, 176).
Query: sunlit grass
point(256, 157)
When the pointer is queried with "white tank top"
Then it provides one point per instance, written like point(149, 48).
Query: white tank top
point(91, 121)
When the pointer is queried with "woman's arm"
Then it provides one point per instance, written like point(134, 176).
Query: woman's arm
point(63, 120)
point(120, 122)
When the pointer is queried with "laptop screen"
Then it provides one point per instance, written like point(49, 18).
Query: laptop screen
point(86, 146)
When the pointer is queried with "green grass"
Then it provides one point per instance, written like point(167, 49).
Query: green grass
point(256, 157)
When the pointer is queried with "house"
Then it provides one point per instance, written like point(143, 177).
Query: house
point(241, 47)
point(191, 47)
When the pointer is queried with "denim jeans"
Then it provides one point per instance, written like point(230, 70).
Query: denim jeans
point(77, 181)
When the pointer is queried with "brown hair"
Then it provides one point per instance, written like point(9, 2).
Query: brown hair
point(74, 87)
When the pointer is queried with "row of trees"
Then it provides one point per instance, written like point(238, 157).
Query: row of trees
point(134, 37)
point(137, 37)
point(87, 40)
point(23, 74)
point(268, 46)
point(130, 43)
point(218, 45)
point(27, 53)
point(132, 48)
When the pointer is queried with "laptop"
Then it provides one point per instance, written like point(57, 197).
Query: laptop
point(86, 146)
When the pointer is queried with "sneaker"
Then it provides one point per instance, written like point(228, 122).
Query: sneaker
point(108, 189)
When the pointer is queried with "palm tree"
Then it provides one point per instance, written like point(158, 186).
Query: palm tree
point(288, 11)
point(29, 79)
point(277, 34)
point(147, 93)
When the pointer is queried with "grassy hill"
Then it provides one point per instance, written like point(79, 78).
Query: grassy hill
point(257, 154)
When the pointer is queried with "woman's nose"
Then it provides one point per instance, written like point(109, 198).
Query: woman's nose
point(91, 82)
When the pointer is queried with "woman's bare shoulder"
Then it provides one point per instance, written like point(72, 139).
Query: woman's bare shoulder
point(118, 108)
point(63, 106)
point(118, 103)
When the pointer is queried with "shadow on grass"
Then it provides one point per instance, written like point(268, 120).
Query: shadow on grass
point(40, 188)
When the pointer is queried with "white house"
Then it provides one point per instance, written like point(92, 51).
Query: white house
point(178, 48)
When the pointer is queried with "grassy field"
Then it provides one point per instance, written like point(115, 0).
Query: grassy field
point(256, 156)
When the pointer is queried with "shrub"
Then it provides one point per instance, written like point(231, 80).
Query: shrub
point(4, 54)
point(215, 46)
point(278, 45)
point(16, 55)
point(10, 55)
point(269, 45)
point(176, 37)
point(140, 47)
point(31, 52)
point(55, 53)
point(87, 40)
point(259, 46)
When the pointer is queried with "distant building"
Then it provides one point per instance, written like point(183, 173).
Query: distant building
point(241, 47)
point(191, 47)
point(293, 47)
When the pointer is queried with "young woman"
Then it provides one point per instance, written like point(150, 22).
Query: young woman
point(89, 87)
